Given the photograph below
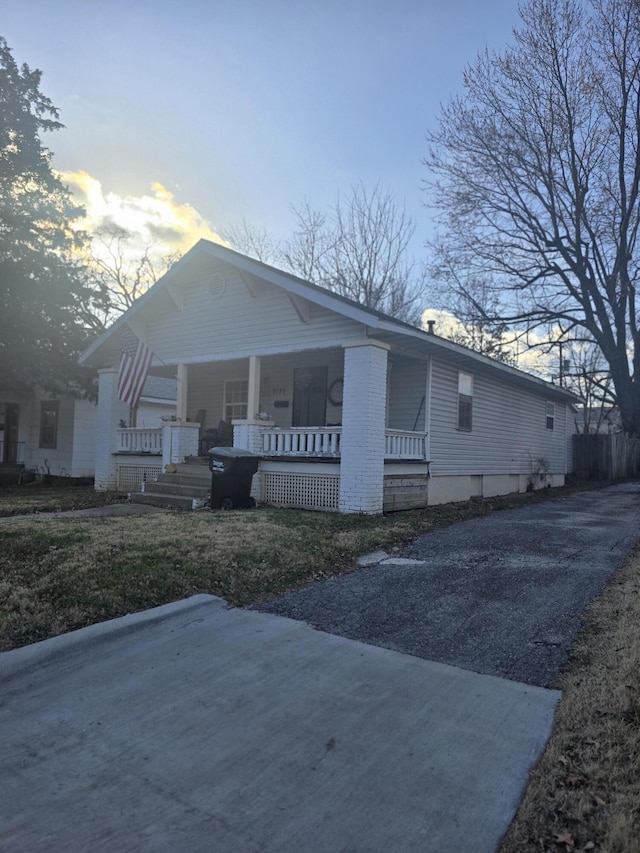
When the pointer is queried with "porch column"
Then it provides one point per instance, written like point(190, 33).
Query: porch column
point(181, 392)
point(110, 412)
point(253, 390)
point(363, 425)
point(179, 440)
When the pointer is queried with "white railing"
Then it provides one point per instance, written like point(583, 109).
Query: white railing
point(400, 444)
point(140, 441)
point(325, 441)
point(302, 441)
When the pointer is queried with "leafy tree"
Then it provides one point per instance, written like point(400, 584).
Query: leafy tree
point(44, 303)
point(535, 172)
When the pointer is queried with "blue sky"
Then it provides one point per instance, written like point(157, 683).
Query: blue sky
point(241, 108)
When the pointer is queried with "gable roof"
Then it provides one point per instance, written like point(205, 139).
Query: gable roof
point(380, 326)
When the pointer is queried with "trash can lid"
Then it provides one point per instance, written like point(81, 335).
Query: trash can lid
point(232, 453)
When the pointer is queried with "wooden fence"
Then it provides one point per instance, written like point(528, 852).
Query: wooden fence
point(611, 458)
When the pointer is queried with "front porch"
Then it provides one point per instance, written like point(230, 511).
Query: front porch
point(300, 466)
point(328, 424)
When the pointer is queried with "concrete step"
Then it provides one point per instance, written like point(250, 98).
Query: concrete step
point(175, 501)
point(194, 490)
point(195, 461)
point(182, 479)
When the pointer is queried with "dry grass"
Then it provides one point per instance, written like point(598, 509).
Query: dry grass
point(585, 792)
point(65, 573)
point(32, 498)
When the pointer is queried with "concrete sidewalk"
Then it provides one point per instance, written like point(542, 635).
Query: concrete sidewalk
point(203, 728)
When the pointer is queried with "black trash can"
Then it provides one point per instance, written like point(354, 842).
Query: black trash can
point(232, 470)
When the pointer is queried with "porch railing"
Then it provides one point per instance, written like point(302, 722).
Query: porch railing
point(325, 441)
point(296, 441)
point(400, 444)
point(12, 452)
point(140, 441)
point(302, 441)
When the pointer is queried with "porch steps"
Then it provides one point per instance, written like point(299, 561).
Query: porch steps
point(187, 488)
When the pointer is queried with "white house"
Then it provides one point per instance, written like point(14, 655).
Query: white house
point(55, 434)
point(350, 409)
point(46, 434)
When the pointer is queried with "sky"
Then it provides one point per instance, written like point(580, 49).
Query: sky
point(195, 115)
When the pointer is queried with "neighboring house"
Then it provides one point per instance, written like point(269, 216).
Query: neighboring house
point(598, 420)
point(55, 435)
point(350, 409)
point(46, 435)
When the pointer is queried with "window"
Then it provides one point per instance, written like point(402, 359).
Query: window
point(49, 411)
point(236, 393)
point(550, 410)
point(465, 401)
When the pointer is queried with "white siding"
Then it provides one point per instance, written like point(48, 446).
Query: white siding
point(83, 461)
point(509, 428)
point(150, 415)
point(47, 460)
point(238, 324)
point(407, 389)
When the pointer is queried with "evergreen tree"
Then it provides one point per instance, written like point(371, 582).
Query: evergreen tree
point(44, 302)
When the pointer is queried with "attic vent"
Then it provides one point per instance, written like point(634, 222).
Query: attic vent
point(217, 285)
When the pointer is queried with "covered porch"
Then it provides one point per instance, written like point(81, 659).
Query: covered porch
point(338, 428)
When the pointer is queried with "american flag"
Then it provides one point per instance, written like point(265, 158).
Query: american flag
point(134, 365)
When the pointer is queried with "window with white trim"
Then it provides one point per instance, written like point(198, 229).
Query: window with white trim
point(465, 401)
point(550, 412)
point(236, 396)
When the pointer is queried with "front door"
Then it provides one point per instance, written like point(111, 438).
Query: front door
point(10, 443)
point(309, 396)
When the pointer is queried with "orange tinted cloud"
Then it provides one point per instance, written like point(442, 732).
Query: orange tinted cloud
point(154, 219)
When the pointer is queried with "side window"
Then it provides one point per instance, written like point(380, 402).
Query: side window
point(49, 411)
point(550, 410)
point(465, 401)
point(236, 394)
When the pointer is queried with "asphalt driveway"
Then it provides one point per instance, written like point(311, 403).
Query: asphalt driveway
point(501, 595)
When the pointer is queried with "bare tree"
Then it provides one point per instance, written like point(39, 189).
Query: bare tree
point(362, 252)
point(119, 268)
point(535, 172)
point(305, 252)
point(359, 250)
point(252, 240)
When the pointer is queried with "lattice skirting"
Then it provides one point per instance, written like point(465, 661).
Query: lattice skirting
point(131, 477)
point(304, 491)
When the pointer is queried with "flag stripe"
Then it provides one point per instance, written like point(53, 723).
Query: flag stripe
point(134, 366)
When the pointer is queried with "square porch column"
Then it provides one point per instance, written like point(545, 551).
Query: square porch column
point(363, 425)
point(110, 412)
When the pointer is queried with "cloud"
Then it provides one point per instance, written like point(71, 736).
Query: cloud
point(154, 220)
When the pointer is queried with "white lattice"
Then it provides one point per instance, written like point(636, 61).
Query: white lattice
point(131, 477)
point(304, 491)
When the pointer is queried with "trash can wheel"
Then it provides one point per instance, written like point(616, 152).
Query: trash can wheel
point(226, 503)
